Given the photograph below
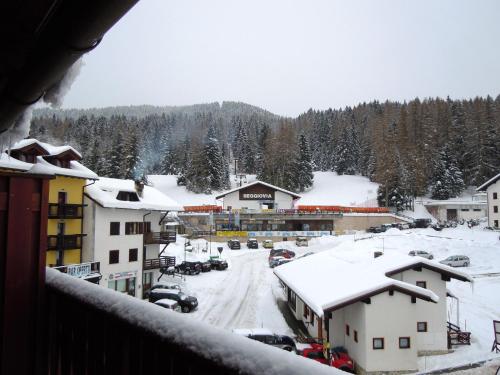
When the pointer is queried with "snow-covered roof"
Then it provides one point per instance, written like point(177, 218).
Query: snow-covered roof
point(76, 169)
point(491, 181)
point(25, 143)
point(105, 192)
point(8, 162)
point(258, 183)
point(51, 150)
point(325, 282)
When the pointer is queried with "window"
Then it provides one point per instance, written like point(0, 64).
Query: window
point(292, 299)
point(306, 311)
point(404, 343)
point(312, 319)
point(464, 210)
point(355, 336)
point(476, 209)
point(114, 228)
point(347, 330)
point(136, 227)
point(421, 326)
point(495, 209)
point(378, 343)
point(422, 284)
point(132, 255)
point(495, 195)
point(147, 282)
point(114, 256)
point(128, 196)
point(495, 223)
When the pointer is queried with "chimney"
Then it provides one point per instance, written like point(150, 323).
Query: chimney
point(139, 187)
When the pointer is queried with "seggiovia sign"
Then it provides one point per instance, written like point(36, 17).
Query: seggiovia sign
point(257, 192)
point(257, 196)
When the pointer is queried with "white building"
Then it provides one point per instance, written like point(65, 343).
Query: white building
point(384, 311)
point(123, 222)
point(457, 210)
point(492, 189)
point(258, 195)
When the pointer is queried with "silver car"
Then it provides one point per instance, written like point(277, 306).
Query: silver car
point(421, 253)
point(456, 261)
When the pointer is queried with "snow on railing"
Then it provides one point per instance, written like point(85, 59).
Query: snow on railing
point(91, 327)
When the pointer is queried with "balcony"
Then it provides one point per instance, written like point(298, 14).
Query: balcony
point(159, 238)
point(94, 330)
point(65, 211)
point(157, 263)
point(64, 242)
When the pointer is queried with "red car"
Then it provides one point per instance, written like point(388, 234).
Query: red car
point(338, 358)
point(285, 253)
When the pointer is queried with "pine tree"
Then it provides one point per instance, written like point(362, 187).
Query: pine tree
point(132, 168)
point(304, 165)
point(214, 162)
point(446, 181)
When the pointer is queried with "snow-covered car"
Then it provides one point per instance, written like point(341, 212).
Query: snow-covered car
point(166, 285)
point(274, 261)
point(186, 302)
point(403, 226)
point(206, 266)
point(252, 243)
point(168, 304)
point(285, 253)
point(234, 244)
point(421, 253)
point(268, 244)
point(268, 337)
point(422, 223)
point(189, 268)
point(301, 241)
point(456, 261)
point(218, 264)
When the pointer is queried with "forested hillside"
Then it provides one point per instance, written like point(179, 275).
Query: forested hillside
point(435, 145)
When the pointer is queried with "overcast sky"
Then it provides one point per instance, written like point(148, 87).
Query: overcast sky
point(287, 56)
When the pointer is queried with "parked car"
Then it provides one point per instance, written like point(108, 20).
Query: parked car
point(206, 266)
point(252, 243)
point(274, 261)
point(268, 244)
point(421, 253)
point(267, 337)
point(437, 227)
point(422, 223)
point(285, 253)
point(166, 285)
point(301, 241)
point(403, 226)
point(338, 357)
point(218, 264)
point(234, 244)
point(375, 230)
point(186, 302)
point(386, 227)
point(456, 261)
point(189, 268)
point(168, 304)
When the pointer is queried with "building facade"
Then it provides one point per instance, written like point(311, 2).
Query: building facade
point(492, 189)
point(124, 222)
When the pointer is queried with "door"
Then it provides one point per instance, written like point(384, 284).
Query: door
point(451, 214)
point(60, 244)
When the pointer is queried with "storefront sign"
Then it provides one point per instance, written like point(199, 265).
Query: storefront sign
point(231, 233)
point(289, 233)
point(79, 270)
point(257, 192)
point(122, 275)
point(257, 196)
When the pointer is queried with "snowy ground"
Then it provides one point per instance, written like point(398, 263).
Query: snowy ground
point(246, 295)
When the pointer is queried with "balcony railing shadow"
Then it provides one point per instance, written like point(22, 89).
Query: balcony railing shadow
point(94, 330)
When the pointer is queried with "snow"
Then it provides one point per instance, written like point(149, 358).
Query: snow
point(345, 190)
point(106, 190)
point(7, 162)
point(51, 150)
point(75, 170)
point(330, 270)
point(328, 189)
point(234, 351)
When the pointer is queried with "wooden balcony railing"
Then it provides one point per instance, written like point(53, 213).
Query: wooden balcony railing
point(161, 238)
point(95, 330)
point(65, 211)
point(64, 242)
point(157, 263)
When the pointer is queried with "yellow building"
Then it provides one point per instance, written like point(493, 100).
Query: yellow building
point(65, 216)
